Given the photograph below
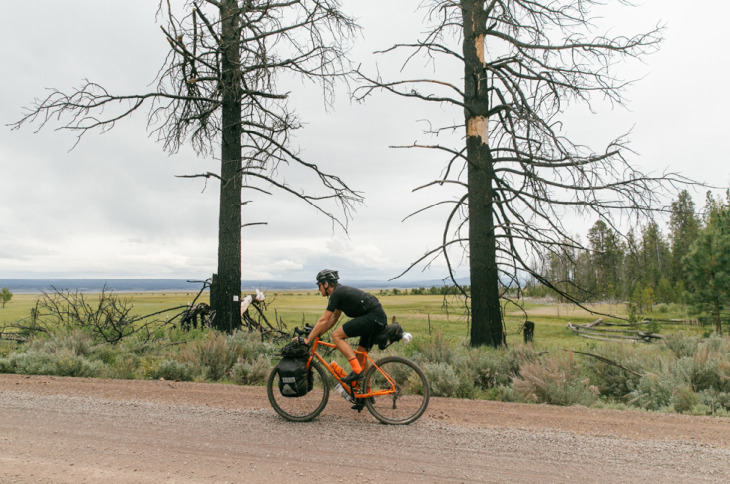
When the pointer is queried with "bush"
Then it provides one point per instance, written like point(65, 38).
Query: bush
point(682, 345)
point(556, 381)
point(611, 380)
point(212, 353)
point(717, 402)
point(705, 371)
point(248, 346)
point(171, 370)
point(7, 365)
point(65, 363)
point(76, 342)
point(251, 372)
point(684, 399)
point(443, 379)
point(125, 366)
point(489, 368)
point(438, 350)
point(656, 390)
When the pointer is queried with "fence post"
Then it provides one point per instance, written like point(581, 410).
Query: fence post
point(528, 330)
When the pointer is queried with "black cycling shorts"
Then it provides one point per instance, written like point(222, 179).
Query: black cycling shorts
point(366, 326)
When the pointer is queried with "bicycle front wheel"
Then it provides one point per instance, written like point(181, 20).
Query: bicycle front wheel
point(300, 409)
point(411, 393)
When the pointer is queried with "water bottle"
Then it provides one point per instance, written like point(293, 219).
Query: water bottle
point(340, 389)
point(338, 371)
point(343, 393)
point(407, 337)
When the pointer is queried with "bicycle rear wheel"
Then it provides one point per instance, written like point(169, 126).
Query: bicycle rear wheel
point(300, 409)
point(412, 391)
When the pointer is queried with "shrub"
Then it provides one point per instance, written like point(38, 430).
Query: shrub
point(705, 370)
point(76, 341)
point(33, 362)
point(684, 399)
point(248, 346)
point(717, 402)
point(106, 354)
point(212, 353)
point(442, 378)
point(251, 372)
point(64, 363)
point(7, 365)
point(438, 350)
point(125, 366)
point(655, 390)
point(612, 380)
point(554, 380)
point(68, 363)
point(489, 368)
point(682, 345)
point(171, 370)
point(503, 393)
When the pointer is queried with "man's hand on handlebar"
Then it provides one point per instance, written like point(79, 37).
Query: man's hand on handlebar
point(302, 334)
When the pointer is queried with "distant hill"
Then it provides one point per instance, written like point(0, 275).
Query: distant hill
point(179, 285)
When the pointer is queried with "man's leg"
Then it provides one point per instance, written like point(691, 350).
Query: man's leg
point(362, 358)
point(339, 338)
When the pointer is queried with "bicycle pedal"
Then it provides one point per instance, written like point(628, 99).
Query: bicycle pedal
point(352, 378)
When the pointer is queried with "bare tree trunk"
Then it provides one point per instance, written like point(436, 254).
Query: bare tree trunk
point(228, 289)
point(486, 325)
point(718, 321)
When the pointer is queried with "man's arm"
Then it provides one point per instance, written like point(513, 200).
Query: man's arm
point(324, 324)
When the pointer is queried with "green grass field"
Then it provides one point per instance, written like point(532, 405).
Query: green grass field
point(422, 315)
point(683, 374)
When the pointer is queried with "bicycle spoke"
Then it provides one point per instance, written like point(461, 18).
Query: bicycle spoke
point(300, 409)
point(410, 394)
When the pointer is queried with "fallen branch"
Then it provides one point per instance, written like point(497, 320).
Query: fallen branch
point(591, 331)
point(606, 360)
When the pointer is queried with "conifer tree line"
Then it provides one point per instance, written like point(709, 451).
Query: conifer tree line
point(690, 264)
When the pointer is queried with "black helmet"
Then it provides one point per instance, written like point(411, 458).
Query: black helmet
point(327, 275)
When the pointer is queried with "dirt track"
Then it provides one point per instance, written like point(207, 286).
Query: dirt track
point(84, 430)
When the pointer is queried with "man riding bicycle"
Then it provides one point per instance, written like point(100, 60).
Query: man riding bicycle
point(368, 319)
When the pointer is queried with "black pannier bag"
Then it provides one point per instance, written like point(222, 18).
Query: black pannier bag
point(294, 379)
point(389, 335)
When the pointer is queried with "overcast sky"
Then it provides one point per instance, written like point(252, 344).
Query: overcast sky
point(113, 208)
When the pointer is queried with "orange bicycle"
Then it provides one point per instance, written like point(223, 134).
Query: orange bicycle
point(394, 389)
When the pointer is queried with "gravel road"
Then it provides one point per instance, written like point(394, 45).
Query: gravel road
point(73, 430)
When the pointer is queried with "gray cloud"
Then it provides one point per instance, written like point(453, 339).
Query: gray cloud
point(112, 207)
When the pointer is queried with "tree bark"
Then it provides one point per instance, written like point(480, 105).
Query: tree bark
point(486, 317)
point(718, 321)
point(228, 290)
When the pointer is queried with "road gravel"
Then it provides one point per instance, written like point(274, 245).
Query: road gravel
point(74, 430)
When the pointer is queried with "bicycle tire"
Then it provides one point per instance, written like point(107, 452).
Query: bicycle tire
point(412, 391)
point(300, 409)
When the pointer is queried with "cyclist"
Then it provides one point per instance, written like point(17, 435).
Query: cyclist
point(368, 319)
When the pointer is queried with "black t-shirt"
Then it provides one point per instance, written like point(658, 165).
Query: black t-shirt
point(351, 301)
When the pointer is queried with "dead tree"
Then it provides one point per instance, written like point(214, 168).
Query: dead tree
point(523, 62)
point(217, 91)
point(109, 318)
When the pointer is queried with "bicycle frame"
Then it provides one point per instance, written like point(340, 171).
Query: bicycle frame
point(356, 393)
